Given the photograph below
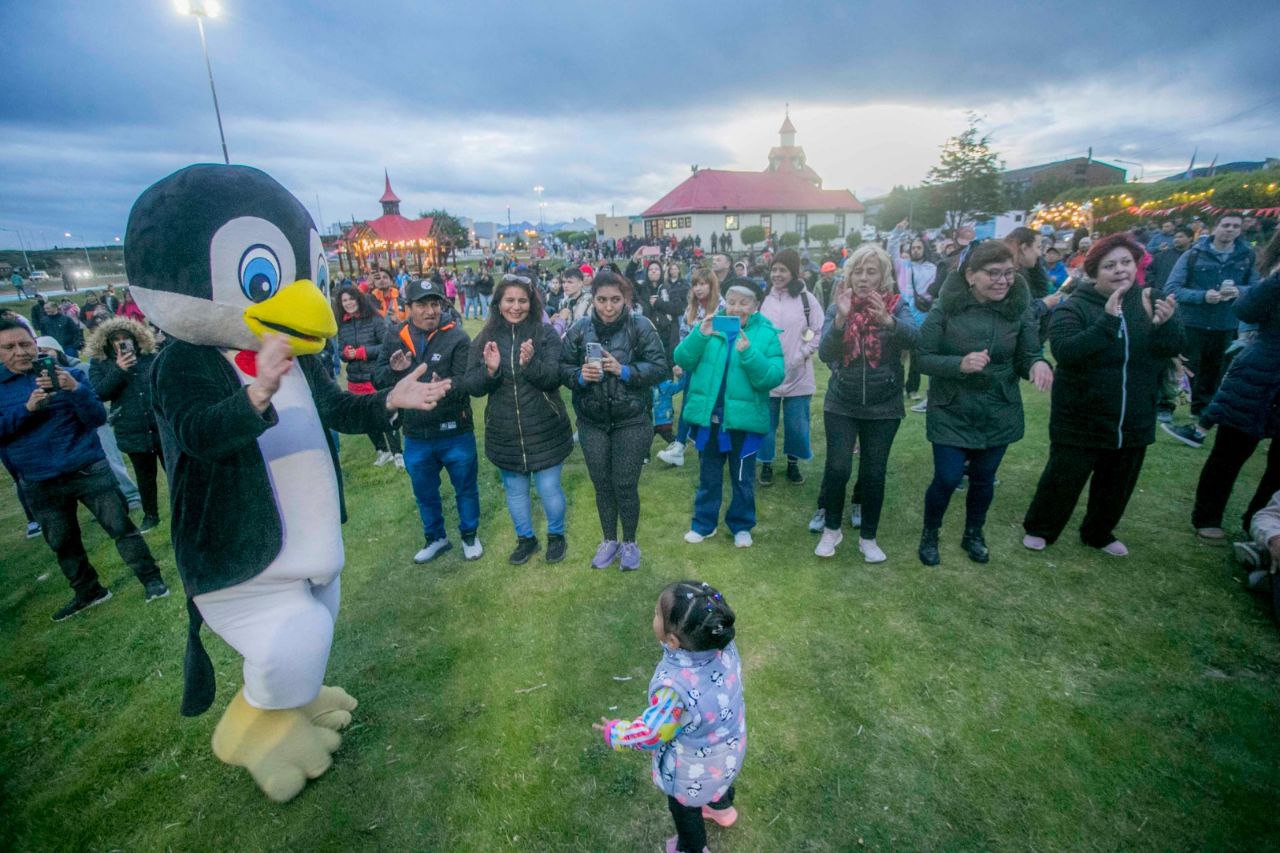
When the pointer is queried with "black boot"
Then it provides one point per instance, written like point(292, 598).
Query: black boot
point(556, 547)
point(974, 545)
point(929, 547)
point(766, 473)
point(526, 547)
point(793, 472)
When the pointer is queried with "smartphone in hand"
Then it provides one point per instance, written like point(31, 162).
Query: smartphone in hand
point(726, 324)
point(595, 353)
point(48, 366)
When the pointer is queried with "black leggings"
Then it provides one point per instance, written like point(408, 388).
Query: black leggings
point(876, 438)
point(1231, 449)
point(691, 830)
point(146, 467)
point(615, 458)
point(1111, 475)
point(386, 442)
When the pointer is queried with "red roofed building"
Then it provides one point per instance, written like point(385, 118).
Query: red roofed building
point(786, 196)
point(391, 237)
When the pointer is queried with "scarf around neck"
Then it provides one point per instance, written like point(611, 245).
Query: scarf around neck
point(861, 338)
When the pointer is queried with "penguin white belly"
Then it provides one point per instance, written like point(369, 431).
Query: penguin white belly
point(303, 483)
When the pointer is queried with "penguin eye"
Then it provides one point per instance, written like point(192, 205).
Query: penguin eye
point(322, 275)
point(259, 273)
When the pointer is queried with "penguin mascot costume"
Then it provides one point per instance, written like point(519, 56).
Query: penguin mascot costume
point(229, 265)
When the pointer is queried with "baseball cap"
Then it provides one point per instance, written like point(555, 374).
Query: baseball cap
point(424, 288)
point(829, 266)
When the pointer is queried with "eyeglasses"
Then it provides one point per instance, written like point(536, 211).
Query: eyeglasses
point(523, 279)
point(999, 275)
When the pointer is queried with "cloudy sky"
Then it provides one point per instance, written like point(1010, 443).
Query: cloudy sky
point(469, 105)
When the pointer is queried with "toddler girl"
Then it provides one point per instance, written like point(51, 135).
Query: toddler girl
point(696, 723)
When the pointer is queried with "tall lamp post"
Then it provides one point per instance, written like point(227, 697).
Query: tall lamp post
point(23, 244)
point(538, 189)
point(201, 9)
point(84, 247)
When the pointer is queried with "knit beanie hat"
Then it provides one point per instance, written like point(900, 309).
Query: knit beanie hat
point(789, 259)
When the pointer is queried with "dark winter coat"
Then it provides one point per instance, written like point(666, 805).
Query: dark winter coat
point(664, 312)
point(526, 425)
point(445, 352)
point(367, 333)
point(858, 390)
point(1109, 370)
point(1248, 396)
point(984, 409)
point(613, 401)
point(132, 416)
point(62, 329)
point(1201, 269)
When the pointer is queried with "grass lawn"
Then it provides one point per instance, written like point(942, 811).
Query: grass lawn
point(1046, 701)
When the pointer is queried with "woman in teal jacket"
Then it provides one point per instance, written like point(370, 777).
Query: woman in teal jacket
point(731, 372)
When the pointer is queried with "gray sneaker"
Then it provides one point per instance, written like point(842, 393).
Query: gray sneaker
point(605, 554)
point(630, 557)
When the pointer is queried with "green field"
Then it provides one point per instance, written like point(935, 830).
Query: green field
point(1061, 700)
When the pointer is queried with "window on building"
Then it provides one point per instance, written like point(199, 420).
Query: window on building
point(766, 222)
point(839, 224)
point(731, 222)
point(802, 223)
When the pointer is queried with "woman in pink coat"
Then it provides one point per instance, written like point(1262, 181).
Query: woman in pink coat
point(797, 314)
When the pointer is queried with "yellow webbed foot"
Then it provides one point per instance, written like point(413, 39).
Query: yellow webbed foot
point(280, 749)
point(331, 709)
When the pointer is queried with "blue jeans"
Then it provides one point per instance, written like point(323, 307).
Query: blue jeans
point(520, 503)
point(948, 469)
point(423, 459)
point(742, 478)
point(795, 428)
point(473, 302)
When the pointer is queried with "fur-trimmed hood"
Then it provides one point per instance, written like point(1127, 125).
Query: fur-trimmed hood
point(96, 344)
point(955, 297)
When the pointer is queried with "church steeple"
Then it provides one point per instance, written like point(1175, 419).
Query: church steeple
point(390, 201)
point(788, 131)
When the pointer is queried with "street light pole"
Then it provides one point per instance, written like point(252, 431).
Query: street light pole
point(23, 244)
point(201, 9)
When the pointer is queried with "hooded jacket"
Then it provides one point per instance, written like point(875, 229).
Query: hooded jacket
point(984, 409)
point(526, 425)
point(366, 335)
point(1109, 370)
point(1248, 396)
point(789, 316)
point(132, 416)
point(445, 351)
point(751, 375)
point(615, 401)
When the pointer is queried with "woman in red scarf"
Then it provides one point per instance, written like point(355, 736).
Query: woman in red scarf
point(868, 328)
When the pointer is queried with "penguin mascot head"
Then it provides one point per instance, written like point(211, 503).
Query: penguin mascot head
point(223, 255)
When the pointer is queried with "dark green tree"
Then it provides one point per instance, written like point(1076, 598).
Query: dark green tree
point(751, 235)
point(823, 233)
point(789, 239)
point(966, 182)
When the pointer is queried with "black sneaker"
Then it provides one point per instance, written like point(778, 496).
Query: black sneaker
point(556, 546)
point(75, 605)
point(1187, 434)
point(929, 547)
point(766, 473)
point(155, 589)
point(793, 473)
point(149, 523)
point(975, 545)
point(526, 547)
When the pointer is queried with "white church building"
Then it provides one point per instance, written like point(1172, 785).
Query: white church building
point(786, 196)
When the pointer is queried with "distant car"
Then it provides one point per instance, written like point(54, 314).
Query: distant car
point(39, 275)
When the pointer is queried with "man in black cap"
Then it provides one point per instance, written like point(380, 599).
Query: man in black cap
point(443, 437)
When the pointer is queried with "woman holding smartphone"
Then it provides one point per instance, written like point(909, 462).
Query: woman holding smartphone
point(733, 359)
point(611, 360)
point(121, 352)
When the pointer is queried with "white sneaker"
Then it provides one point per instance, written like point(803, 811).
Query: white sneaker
point(855, 516)
point(922, 406)
point(382, 458)
point(673, 455)
point(474, 550)
point(742, 539)
point(818, 523)
point(399, 460)
point(871, 552)
point(693, 537)
point(827, 544)
point(433, 550)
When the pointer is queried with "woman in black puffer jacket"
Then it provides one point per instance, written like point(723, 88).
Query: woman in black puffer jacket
point(1113, 340)
point(1246, 407)
point(120, 353)
point(868, 328)
point(613, 397)
point(361, 331)
point(515, 362)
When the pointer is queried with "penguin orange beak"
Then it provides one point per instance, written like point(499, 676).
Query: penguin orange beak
point(298, 310)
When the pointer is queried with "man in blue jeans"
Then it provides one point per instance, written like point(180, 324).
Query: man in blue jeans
point(445, 436)
point(48, 427)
